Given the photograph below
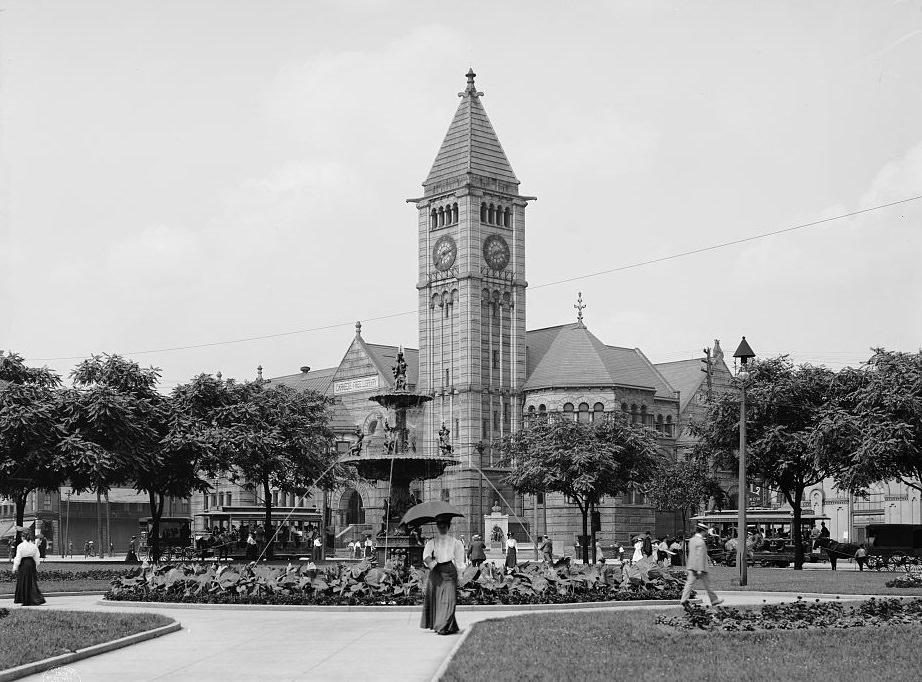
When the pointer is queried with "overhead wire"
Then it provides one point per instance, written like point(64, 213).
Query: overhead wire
point(566, 280)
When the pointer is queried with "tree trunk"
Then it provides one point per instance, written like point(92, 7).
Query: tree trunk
point(584, 510)
point(592, 552)
point(796, 530)
point(20, 514)
point(156, 511)
point(268, 524)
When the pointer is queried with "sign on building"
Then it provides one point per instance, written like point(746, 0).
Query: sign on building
point(355, 385)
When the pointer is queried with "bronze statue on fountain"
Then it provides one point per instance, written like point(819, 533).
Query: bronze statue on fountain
point(399, 462)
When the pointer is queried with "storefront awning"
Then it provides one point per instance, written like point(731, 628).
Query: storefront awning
point(7, 529)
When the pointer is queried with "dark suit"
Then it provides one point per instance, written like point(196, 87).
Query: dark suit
point(477, 552)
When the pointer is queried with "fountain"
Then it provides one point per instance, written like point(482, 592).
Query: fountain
point(398, 462)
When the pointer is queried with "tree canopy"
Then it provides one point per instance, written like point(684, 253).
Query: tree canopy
point(29, 431)
point(881, 411)
point(791, 444)
point(682, 486)
point(584, 461)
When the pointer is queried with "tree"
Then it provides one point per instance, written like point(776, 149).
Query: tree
point(882, 412)
point(275, 437)
point(581, 460)
point(123, 431)
point(29, 432)
point(682, 486)
point(791, 444)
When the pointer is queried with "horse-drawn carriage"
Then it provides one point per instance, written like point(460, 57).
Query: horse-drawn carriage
point(889, 546)
point(775, 544)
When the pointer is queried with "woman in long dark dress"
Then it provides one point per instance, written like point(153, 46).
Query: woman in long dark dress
point(444, 555)
point(511, 553)
point(25, 564)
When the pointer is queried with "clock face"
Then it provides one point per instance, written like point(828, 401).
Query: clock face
point(496, 252)
point(444, 252)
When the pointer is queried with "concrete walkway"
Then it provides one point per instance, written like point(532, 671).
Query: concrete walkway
point(254, 645)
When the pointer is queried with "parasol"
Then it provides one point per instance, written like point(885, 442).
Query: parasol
point(426, 512)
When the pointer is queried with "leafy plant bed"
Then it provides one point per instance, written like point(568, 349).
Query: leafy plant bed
point(799, 615)
point(32, 635)
point(628, 645)
point(367, 584)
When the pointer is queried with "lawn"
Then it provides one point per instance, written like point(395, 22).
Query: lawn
point(28, 635)
point(812, 581)
point(627, 645)
point(49, 586)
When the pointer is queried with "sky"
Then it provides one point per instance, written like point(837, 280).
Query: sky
point(177, 177)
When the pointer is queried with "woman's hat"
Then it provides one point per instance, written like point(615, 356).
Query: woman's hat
point(702, 526)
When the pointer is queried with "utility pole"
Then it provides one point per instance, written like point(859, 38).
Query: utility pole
point(108, 528)
point(708, 369)
point(99, 523)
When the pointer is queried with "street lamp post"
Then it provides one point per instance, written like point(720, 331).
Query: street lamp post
point(744, 352)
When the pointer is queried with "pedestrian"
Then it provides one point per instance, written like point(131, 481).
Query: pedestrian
point(638, 550)
point(831, 555)
point(599, 551)
point(252, 549)
point(477, 551)
point(318, 546)
point(25, 563)
point(697, 565)
point(620, 549)
point(351, 548)
point(511, 553)
point(547, 550)
point(647, 546)
point(861, 556)
point(131, 556)
point(42, 545)
point(676, 547)
point(86, 549)
point(70, 548)
point(824, 531)
point(369, 547)
point(444, 556)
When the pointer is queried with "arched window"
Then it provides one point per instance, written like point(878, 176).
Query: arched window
point(568, 411)
point(491, 212)
point(506, 218)
point(669, 426)
point(584, 416)
point(483, 212)
point(542, 409)
point(454, 213)
point(659, 423)
point(441, 217)
point(597, 410)
point(433, 219)
point(634, 414)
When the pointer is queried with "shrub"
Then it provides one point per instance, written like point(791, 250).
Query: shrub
point(909, 580)
point(366, 584)
point(798, 615)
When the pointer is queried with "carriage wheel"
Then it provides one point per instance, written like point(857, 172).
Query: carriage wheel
point(899, 562)
point(874, 563)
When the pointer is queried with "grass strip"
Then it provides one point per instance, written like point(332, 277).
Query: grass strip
point(630, 646)
point(28, 635)
point(47, 587)
point(811, 581)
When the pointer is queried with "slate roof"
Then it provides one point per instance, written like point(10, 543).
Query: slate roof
point(315, 380)
point(684, 376)
point(570, 355)
point(471, 144)
point(385, 357)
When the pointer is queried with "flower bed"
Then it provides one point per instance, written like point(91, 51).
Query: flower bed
point(367, 584)
point(907, 581)
point(799, 615)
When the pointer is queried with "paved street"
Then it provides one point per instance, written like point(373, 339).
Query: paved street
point(254, 645)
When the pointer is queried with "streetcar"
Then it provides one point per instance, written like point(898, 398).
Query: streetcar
point(175, 538)
point(776, 548)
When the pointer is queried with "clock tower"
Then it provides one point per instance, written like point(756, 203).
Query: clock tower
point(471, 302)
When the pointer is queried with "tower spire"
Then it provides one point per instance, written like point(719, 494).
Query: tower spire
point(471, 89)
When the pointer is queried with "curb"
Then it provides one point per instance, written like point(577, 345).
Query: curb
point(80, 654)
point(440, 671)
point(391, 609)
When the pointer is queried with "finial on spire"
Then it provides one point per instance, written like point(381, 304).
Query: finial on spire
point(259, 373)
point(358, 328)
point(580, 306)
point(471, 89)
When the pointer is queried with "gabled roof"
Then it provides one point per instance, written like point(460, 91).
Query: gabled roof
point(570, 355)
point(685, 376)
point(471, 144)
point(315, 380)
point(385, 357)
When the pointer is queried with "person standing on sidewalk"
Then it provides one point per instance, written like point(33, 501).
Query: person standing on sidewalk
point(477, 551)
point(697, 566)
